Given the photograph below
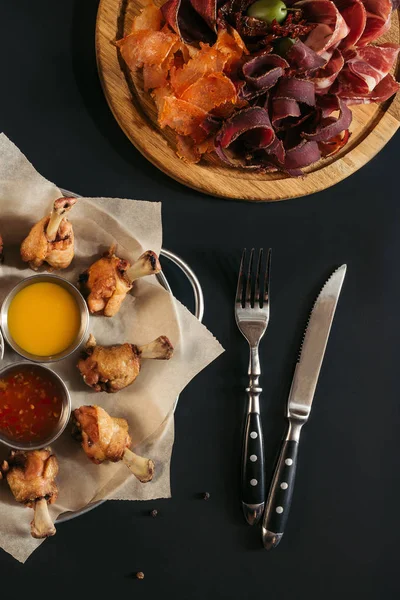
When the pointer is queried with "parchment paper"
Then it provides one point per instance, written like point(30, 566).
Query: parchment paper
point(149, 311)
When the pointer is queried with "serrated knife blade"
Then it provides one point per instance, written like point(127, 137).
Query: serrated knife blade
point(313, 347)
point(300, 399)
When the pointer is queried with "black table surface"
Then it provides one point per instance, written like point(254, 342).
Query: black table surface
point(342, 540)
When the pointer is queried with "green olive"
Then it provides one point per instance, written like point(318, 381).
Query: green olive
point(268, 10)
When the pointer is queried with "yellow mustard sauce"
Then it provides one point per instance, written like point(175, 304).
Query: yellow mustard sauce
point(44, 319)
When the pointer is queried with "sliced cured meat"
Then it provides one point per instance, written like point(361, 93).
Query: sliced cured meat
point(207, 9)
point(147, 47)
point(304, 59)
point(262, 72)
point(330, 27)
point(232, 46)
point(300, 90)
point(209, 60)
point(149, 18)
point(355, 15)
point(186, 21)
point(378, 14)
point(324, 77)
point(383, 91)
point(182, 117)
point(253, 123)
point(210, 91)
point(304, 154)
point(282, 108)
point(365, 67)
point(331, 126)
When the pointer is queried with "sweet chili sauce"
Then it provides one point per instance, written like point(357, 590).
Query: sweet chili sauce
point(30, 404)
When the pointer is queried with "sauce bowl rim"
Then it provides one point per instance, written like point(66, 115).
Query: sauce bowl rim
point(64, 417)
point(82, 306)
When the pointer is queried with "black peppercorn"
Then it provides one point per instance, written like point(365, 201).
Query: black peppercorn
point(154, 512)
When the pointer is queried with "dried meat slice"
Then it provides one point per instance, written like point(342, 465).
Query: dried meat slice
point(304, 59)
point(186, 22)
point(303, 155)
point(330, 26)
point(210, 91)
point(378, 13)
point(301, 90)
point(330, 127)
point(150, 18)
point(184, 118)
point(207, 61)
point(147, 47)
point(232, 46)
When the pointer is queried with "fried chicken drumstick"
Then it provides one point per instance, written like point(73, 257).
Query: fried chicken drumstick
point(31, 477)
point(113, 368)
point(51, 240)
point(109, 279)
point(106, 438)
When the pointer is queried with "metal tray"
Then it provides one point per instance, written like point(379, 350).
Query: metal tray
point(198, 312)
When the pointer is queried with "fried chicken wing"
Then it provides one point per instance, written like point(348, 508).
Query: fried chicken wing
point(110, 278)
point(51, 240)
point(31, 477)
point(113, 368)
point(107, 438)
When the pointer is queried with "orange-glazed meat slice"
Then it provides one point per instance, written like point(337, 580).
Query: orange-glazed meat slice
point(210, 91)
point(149, 18)
point(231, 45)
point(147, 47)
point(208, 60)
point(182, 117)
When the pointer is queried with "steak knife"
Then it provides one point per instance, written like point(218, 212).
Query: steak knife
point(299, 406)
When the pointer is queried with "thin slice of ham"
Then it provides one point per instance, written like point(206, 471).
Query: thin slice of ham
point(383, 91)
point(378, 13)
point(355, 15)
point(324, 78)
point(365, 67)
point(330, 27)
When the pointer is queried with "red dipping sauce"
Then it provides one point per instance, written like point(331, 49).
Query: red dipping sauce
point(31, 403)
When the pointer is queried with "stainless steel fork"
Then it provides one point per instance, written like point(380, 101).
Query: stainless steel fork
point(252, 317)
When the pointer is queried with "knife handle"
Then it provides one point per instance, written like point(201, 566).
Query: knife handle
point(280, 495)
point(253, 478)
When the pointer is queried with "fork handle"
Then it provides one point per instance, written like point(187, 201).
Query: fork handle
point(253, 479)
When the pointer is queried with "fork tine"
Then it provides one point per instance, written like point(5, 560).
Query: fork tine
point(248, 284)
point(267, 277)
point(239, 289)
point(257, 287)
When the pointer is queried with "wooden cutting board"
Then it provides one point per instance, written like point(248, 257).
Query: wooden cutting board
point(373, 125)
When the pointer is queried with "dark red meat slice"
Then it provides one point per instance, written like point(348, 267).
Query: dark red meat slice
point(262, 72)
point(207, 9)
point(186, 22)
point(304, 59)
point(301, 90)
point(304, 154)
point(331, 126)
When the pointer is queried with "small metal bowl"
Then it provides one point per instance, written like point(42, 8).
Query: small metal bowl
point(45, 277)
point(65, 412)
